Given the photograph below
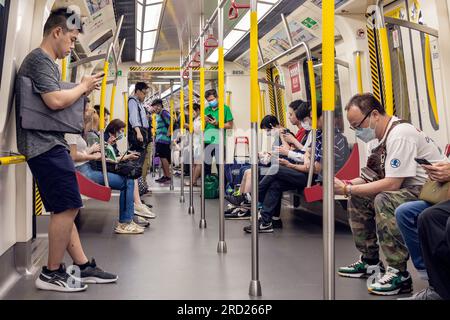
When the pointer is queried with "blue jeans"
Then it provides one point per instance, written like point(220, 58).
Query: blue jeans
point(116, 182)
point(407, 215)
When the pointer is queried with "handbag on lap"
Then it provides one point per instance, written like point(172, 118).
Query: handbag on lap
point(435, 192)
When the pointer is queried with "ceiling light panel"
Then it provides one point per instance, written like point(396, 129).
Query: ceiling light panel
point(147, 56)
point(149, 40)
point(232, 38)
point(152, 15)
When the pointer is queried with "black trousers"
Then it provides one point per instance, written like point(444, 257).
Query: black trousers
point(277, 180)
point(434, 235)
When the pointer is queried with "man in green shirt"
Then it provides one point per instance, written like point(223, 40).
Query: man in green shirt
point(212, 127)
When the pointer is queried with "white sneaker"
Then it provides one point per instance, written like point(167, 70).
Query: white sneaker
point(143, 211)
point(128, 228)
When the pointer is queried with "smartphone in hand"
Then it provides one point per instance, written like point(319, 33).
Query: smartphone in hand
point(422, 161)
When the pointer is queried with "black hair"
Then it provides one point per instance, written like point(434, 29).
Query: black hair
point(97, 109)
point(304, 110)
point(295, 104)
point(140, 86)
point(269, 122)
point(115, 126)
point(366, 102)
point(196, 107)
point(157, 102)
point(211, 92)
point(65, 18)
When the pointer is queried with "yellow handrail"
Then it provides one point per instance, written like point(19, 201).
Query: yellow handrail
point(312, 83)
point(103, 96)
point(113, 98)
point(202, 100)
point(359, 72)
point(4, 161)
point(191, 106)
point(171, 115)
point(254, 88)
point(229, 98)
point(221, 81)
point(125, 104)
point(328, 56)
point(387, 72)
point(182, 118)
point(64, 70)
point(429, 78)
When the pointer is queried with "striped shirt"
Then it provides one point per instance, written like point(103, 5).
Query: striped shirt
point(162, 127)
point(341, 149)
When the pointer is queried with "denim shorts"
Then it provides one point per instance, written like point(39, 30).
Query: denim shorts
point(54, 173)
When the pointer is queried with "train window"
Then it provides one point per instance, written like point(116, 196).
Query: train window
point(338, 114)
point(4, 9)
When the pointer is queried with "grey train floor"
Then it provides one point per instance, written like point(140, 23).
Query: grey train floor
point(174, 259)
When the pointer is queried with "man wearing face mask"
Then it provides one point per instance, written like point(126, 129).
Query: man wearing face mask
point(390, 178)
point(212, 127)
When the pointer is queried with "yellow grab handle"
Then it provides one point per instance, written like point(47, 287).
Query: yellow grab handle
point(64, 70)
point(111, 106)
point(182, 119)
point(202, 100)
point(429, 78)
point(221, 76)
point(387, 72)
point(103, 96)
point(125, 104)
point(4, 161)
point(312, 83)
point(191, 106)
point(328, 57)
point(359, 73)
point(254, 87)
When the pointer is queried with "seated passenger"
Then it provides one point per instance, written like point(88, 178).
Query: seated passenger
point(293, 176)
point(81, 155)
point(408, 216)
point(113, 133)
point(391, 178)
point(295, 121)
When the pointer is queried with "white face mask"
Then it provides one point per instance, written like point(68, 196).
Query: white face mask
point(306, 125)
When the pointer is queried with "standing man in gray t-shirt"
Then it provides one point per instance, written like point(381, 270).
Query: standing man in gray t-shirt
point(48, 157)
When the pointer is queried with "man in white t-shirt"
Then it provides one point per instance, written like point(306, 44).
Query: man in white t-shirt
point(390, 178)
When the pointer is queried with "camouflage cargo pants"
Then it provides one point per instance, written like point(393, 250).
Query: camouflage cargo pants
point(372, 219)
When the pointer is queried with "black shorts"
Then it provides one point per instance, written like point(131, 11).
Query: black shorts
point(162, 150)
point(54, 173)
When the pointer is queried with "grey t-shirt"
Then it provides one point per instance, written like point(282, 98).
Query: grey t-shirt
point(45, 75)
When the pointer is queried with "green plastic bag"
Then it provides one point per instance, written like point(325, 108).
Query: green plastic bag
point(211, 187)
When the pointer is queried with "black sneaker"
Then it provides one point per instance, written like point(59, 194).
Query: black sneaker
point(140, 221)
point(93, 274)
point(238, 214)
point(230, 208)
point(277, 224)
point(239, 200)
point(160, 180)
point(59, 280)
point(262, 227)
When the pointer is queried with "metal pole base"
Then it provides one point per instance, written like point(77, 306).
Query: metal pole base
point(221, 247)
point(191, 210)
point(171, 188)
point(202, 224)
point(182, 200)
point(255, 288)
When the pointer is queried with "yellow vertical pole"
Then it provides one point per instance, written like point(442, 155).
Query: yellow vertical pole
point(64, 69)
point(429, 79)
point(359, 72)
point(312, 82)
point(125, 104)
point(172, 113)
point(103, 96)
point(182, 118)
point(221, 81)
point(191, 106)
point(202, 100)
point(113, 98)
point(329, 97)
point(229, 98)
point(154, 124)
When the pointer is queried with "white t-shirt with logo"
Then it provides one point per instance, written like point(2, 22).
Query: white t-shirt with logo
point(403, 144)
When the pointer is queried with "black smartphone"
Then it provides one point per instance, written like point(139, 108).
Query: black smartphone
point(422, 161)
point(210, 117)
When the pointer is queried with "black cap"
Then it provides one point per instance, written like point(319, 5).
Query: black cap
point(157, 101)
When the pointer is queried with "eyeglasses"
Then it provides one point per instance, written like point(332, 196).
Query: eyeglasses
point(359, 124)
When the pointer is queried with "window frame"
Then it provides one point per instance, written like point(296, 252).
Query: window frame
point(3, 34)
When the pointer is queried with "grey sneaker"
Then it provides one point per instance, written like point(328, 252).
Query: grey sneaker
point(425, 294)
point(93, 274)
